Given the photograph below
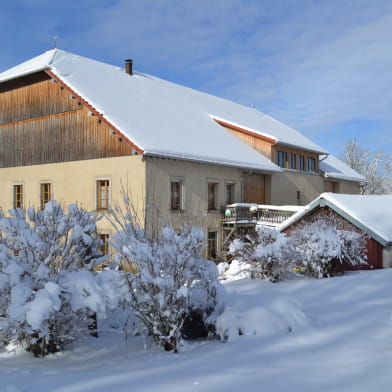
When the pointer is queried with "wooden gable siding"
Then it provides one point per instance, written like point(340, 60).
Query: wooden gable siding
point(262, 146)
point(32, 97)
point(42, 123)
point(374, 249)
point(327, 214)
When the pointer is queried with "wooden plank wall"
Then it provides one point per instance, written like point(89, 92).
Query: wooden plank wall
point(41, 123)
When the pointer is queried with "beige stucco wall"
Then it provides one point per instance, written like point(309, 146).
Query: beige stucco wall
point(195, 177)
point(387, 257)
point(349, 187)
point(76, 182)
point(285, 187)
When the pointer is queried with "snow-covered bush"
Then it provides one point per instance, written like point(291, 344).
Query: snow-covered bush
point(320, 246)
point(49, 292)
point(234, 270)
point(268, 253)
point(171, 281)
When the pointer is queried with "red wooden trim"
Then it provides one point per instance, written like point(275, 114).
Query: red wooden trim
point(93, 110)
point(247, 132)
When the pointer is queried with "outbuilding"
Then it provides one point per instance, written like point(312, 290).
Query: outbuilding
point(368, 214)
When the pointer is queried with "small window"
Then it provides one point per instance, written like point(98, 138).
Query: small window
point(18, 196)
point(230, 193)
point(311, 164)
point(212, 195)
point(46, 194)
point(176, 195)
point(301, 163)
point(103, 194)
point(293, 161)
point(104, 249)
point(212, 245)
point(281, 158)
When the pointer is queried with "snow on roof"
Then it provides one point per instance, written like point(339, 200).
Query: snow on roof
point(333, 168)
point(36, 64)
point(370, 213)
point(163, 118)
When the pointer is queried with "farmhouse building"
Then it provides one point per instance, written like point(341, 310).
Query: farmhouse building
point(367, 214)
point(77, 130)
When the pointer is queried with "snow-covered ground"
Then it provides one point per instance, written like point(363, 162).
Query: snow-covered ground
point(311, 335)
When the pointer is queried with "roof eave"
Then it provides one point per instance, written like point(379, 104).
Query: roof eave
point(22, 74)
point(212, 161)
point(304, 148)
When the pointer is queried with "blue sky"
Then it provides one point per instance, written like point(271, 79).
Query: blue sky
point(323, 67)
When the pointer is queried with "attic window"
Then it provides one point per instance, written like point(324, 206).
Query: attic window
point(293, 161)
point(281, 158)
point(311, 164)
point(301, 163)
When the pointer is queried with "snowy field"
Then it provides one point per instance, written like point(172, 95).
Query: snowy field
point(311, 335)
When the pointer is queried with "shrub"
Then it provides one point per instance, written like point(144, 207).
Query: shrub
point(268, 254)
point(171, 281)
point(49, 290)
point(320, 246)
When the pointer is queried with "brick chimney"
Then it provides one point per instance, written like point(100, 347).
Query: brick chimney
point(128, 66)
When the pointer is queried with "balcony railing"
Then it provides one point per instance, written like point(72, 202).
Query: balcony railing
point(250, 214)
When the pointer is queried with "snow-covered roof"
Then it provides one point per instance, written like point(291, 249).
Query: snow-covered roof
point(334, 168)
point(370, 213)
point(163, 118)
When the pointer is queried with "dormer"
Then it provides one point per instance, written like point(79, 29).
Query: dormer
point(282, 154)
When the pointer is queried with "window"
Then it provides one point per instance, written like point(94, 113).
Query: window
point(104, 249)
point(281, 158)
point(293, 161)
point(176, 194)
point(212, 245)
point(46, 194)
point(212, 195)
point(103, 194)
point(311, 164)
point(301, 163)
point(230, 193)
point(18, 196)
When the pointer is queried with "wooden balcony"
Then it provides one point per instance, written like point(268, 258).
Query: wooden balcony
point(247, 215)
